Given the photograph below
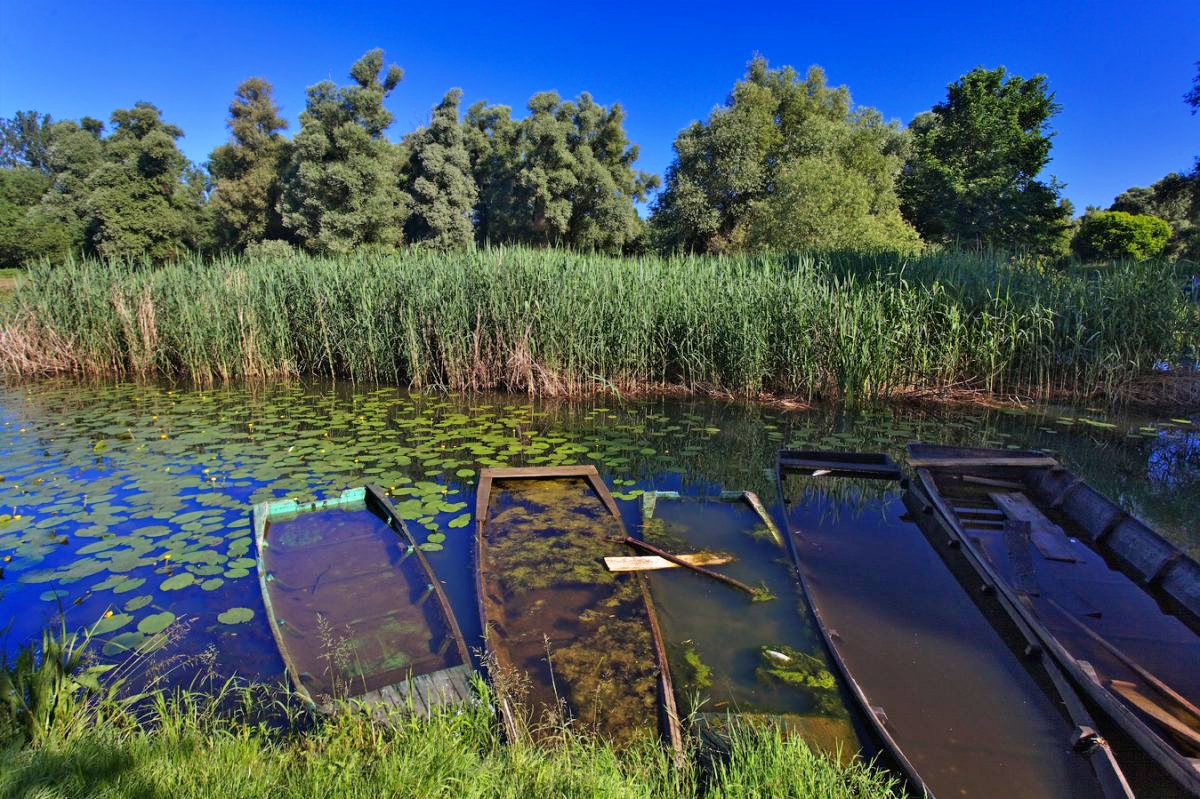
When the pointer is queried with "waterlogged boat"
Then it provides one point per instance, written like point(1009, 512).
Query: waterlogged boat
point(354, 606)
point(568, 640)
point(944, 686)
point(734, 659)
point(1113, 602)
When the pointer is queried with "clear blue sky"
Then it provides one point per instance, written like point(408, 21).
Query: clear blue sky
point(1119, 69)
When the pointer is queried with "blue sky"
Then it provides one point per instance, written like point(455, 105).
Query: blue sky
point(1119, 69)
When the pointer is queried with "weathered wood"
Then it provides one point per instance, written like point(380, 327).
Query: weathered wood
point(1050, 539)
point(969, 462)
point(761, 510)
point(989, 481)
point(641, 563)
point(639, 544)
point(1137, 668)
point(1129, 691)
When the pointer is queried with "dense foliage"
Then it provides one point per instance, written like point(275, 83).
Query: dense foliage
point(972, 177)
point(1114, 235)
point(788, 164)
point(554, 322)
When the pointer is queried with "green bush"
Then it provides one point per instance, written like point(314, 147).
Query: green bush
point(1115, 235)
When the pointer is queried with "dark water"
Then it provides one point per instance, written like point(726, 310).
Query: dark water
point(135, 499)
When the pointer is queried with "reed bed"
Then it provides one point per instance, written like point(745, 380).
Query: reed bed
point(839, 325)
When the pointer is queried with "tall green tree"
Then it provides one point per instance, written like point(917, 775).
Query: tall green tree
point(440, 181)
point(247, 172)
point(143, 198)
point(25, 141)
point(973, 174)
point(786, 163)
point(342, 187)
point(492, 138)
point(561, 176)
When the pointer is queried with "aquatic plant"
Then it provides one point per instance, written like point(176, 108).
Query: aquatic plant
point(556, 322)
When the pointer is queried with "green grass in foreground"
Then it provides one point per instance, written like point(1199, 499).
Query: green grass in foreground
point(68, 729)
point(554, 322)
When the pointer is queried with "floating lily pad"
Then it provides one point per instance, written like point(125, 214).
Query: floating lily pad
point(138, 602)
point(53, 595)
point(181, 580)
point(236, 616)
point(123, 643)
point(156, 622)
point(212, 584)
point(111, 623)
point(132, 584)
point(459, 521)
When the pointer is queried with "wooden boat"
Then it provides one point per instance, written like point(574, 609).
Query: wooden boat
point(354, 607)
point(567, 639)
point(948, 692)
point(1117, 605)
point(735, 660)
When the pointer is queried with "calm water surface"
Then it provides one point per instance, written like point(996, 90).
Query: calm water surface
point(130, 503)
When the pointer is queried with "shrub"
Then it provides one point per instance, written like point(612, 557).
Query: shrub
point(1117, 235)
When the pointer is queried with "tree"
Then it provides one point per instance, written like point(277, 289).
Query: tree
point(342, 187)
point(1113, 235)
point(25, 141)
point(1192, 98)
point(972, 175)
point(248, 171)
point(143, 198)
point(1176, 199)
point(786, 163)
point(441, 182)
point(562, 176)
point(492, 141)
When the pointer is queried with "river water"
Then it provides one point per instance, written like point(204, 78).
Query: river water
point(129, 504)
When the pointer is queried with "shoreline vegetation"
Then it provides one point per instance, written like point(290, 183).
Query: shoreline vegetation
point(797, 328)
point(72, 727)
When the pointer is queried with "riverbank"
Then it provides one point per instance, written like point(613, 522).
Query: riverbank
point(192, 744)
point(802, 329)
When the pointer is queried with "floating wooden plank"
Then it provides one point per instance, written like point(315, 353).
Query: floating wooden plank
point(969, 462)
point(761, 510)
point(1129, 691)
point(643, 563)
point(989, 481)
point(1050, 539)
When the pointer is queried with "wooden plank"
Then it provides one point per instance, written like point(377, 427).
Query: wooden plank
point(969, 462)
point(1050, 539)
point(983, 511)
point(989, 481)
point(1130, 693)
point(641, 563)
point(756, 503)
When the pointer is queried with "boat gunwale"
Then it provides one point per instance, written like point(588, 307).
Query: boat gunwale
point(1107, 772)
point(1176, 764)
point(368, 494)
point(666, 687)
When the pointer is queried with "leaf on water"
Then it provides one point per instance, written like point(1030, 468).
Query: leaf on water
point(111, 623)
point(131, 584)
point(212, 584)
point(53, 595)
point(236, 616)
point(181, 580)
point(460, 521)
point(138, 602)
point(125, 642)
point(430, 547)
point(156, 622)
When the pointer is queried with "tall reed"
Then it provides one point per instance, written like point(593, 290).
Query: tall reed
point(834, 325)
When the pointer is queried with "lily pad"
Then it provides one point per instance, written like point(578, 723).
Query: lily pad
point(111, 623)
point(156, 622)
point(459, 521)
point(138, 602)
point(181, 580)
point(212, 584)
point(125, 642)
point(236, 616)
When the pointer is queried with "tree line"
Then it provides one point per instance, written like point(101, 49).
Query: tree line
point(787, 162)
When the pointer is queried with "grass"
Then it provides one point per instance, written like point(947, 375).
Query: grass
point(552, 322)
point(255, 741)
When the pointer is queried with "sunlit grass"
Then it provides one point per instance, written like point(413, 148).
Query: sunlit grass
point(838, 325)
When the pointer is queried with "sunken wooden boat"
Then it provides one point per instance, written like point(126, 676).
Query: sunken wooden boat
point(1116, 604)
point(354, 606)
point(947, 692)
point(567, 640)
point(736, 661)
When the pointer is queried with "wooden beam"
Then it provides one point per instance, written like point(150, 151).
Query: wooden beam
point(1050, 539)
point(639, 563)
point(952, 462)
